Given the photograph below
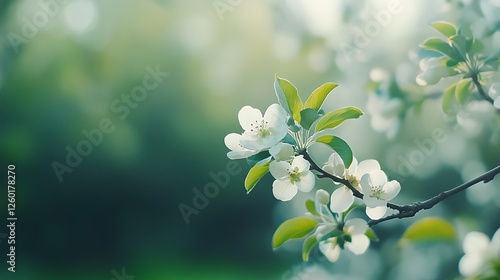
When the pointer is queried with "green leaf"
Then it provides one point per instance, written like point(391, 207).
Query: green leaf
point(446, 28)
point(311, 207)
point(492, 57)
point(294, 228)
point(308, 245)
point(370, 233)
point(463, 91)
point(438, 45)
point(429, 229)
point(448, 98)
point(459, 44)
point(319, 95)
point(339, 146)
point(288, 97)
point(253, 160)
point(451, 63)
point(336, 117)
point(255, 174)
point(307, 117)
point(473, 46)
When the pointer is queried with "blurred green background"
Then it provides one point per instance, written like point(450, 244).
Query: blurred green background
point(64, 64)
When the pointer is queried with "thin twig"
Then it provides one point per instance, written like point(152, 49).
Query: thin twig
point(480, 89)
point(408, 210)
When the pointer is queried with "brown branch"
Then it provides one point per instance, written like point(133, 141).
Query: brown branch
point(409, 210)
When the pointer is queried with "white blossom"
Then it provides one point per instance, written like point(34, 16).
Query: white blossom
point(262, 133)
point(359, 243)
point(479, 253)
point(342, 198)
point(291, 177)
point(376, 192)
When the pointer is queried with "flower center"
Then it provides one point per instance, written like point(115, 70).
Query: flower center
point(352, 179)
point(376, 191)
point(294, 175)
point(261, 128)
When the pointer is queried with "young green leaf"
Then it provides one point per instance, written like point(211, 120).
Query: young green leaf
point(255, 174)
point(294, 228)
point(370, 233)
point(459, 45)
point(319, 95)
point(463, 91)
point(339, 146)
point(307, 117)
point(438, 45)
point(448, 98)
point(308, 245)
point(429, 229)
point(336, 117)
point(288, 97)
point(253, 160)
point(446, 28)
point(311, 207)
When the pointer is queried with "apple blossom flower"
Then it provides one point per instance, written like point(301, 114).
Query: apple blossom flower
point(376, 192)
point(282, 151)
point(342, 198)
point(232, 141)
point(480, 252)
point(291, 177)
point(358, 242)
point(433, 70)
point(262, 133)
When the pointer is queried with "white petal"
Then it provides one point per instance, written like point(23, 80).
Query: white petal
point(497, 103)
point(366, 166)
point(232, 141)
point(248, 117)
point(495, 245)
point(495, 90)
point(342, 198)
point(359, 244)
point(471, 264)
point(377, 178)
point(284, 190)
point(366, 187)
point(353, 167)
point(282, 151)
point(331, 252)
point(376, 212)
point(356, 226)
point(278, 132)
point(240, 154)
point(300, 163)
point(476, 242)
point(337, 164)
point(306, 183)
point(323, 230)
point(275, 113)
point(280, 170)
point(322, 197)
point(391, 189)
point(373, 201)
